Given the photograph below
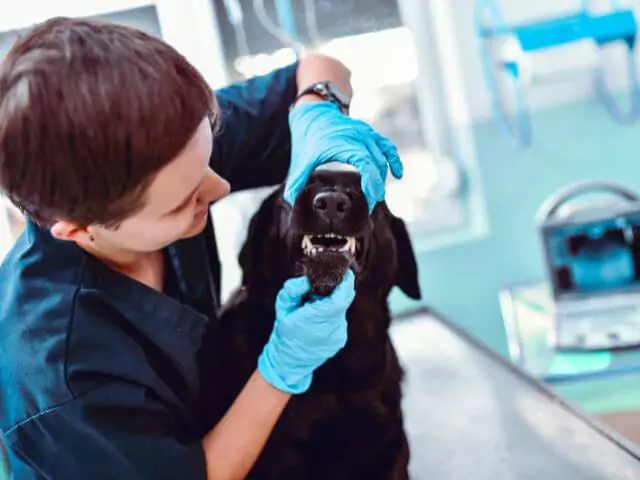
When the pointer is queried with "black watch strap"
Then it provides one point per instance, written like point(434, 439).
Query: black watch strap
point(328, 91)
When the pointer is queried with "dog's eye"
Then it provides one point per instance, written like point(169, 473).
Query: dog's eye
point(353, 194)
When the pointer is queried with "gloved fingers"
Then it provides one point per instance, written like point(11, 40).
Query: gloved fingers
point(307, 343)
point(373, 169)
point(294, 184)
point(378, 154)
point(345, 290)
point(337, 302)
point(390, 151)
point(304, 114)
point(373, 187)
point(291, 380)
point(372, 166)
point(291, 294)
point(337, 334)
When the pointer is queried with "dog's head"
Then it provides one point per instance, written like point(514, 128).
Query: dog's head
point(328, 230)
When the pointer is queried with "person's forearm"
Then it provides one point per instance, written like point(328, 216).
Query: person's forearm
point(232, 447)
point(315, 68)
point(262, 158)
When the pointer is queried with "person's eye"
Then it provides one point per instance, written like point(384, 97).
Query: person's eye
point(181, 208)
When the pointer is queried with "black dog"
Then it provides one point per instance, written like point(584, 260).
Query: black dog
point(349, 425)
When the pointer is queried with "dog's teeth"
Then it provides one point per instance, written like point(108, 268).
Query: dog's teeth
point(349, 246)
point(306, 244)
point(310, 249)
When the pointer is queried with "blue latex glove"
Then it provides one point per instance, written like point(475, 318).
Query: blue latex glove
point(321, 133)
point(305, 335)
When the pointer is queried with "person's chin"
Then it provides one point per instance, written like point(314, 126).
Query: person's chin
point(197, 226)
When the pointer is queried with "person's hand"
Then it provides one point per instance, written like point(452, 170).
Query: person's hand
point(321, 133)
point(305, 335)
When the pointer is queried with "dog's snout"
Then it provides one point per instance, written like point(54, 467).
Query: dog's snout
point(331, 205)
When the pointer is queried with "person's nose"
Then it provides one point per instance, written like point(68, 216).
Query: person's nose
point(331, 206)
point(213, 187)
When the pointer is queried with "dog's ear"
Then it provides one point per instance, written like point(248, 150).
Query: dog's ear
point(407, 270)
point(261, 228)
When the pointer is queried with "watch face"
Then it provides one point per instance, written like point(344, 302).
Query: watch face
point(333, 89)
point(331, 92)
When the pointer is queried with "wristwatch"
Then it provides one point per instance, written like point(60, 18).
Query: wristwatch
point(330, 92)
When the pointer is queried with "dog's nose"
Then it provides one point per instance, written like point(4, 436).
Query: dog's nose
point(331, 205)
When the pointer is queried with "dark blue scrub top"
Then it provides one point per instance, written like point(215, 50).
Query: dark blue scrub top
point(103, 377)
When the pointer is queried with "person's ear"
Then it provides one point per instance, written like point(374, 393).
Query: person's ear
point(70, 232)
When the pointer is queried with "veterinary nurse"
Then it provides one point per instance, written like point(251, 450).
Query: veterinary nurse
point(114, 147)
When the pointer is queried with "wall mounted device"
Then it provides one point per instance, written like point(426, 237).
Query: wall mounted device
point(592, 259)
point(505, 51)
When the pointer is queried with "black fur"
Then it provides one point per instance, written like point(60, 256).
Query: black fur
point(349, 425)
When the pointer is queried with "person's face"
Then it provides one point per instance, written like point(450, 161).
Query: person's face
point(176, 203)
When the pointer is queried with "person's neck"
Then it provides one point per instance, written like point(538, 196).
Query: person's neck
point(143, 267)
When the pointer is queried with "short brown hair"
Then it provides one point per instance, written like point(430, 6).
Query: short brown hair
point(89, 111)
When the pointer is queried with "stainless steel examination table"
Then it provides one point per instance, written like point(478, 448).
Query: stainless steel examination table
point(471, 415)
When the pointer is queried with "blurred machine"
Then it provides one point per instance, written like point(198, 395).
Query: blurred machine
point(261, 27)
point(507, 51)
point(592, 258)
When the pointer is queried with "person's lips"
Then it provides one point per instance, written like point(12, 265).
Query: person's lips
point(201, 213)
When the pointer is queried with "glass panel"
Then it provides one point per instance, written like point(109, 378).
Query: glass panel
point(371, 39)
point(367, 35)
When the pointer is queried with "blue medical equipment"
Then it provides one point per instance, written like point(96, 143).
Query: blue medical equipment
point(284, 10)
point(236, 18)
point(311, 21)
point(592, 259)
point(618, 25)
point(286, 30)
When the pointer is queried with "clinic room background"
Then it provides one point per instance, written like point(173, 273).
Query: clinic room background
point(496, 106)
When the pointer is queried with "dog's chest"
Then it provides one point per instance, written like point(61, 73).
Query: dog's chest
point(350, 415)
point(325, 429)
point(343, 418)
